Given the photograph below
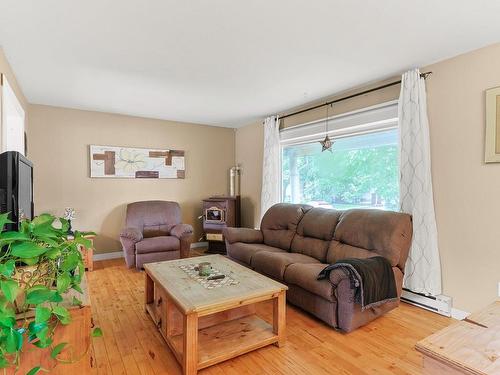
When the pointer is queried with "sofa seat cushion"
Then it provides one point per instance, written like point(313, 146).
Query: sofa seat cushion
point(157, 244)
point(275, 264)
point(243, 252)
point(305, 276)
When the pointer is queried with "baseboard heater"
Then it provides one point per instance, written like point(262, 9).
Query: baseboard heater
point(440, 304)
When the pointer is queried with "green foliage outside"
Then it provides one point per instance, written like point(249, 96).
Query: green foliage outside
point(346, 178)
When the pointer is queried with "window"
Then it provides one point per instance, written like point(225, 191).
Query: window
point(12, 119)
point(362, 170)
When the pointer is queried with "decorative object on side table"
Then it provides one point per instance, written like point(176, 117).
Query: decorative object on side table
point(69, 214)
point(492, 142)
point(39, 269)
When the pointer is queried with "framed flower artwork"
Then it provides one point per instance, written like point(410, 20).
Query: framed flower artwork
point(128, 162)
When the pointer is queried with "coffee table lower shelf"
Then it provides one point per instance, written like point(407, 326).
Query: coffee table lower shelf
point(227, 340)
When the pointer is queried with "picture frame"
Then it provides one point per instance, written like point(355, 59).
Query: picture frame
point(136, 162)
point(492, 134)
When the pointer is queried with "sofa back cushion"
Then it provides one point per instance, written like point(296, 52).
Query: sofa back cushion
point(279, 224)
point(153, 218)
point(314, 232)
point(362, 233)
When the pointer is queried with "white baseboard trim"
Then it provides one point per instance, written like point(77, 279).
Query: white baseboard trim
point(459, 314)
point(106, 256)
point(119, 254)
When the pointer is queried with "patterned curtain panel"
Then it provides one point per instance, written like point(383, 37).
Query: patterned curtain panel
point(270, 193)
point(423, 268)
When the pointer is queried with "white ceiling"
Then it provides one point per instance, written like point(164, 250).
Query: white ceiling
point(226, 62)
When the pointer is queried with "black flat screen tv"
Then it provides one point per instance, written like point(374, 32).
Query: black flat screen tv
point(16, 188)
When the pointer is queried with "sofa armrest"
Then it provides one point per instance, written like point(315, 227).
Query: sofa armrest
point(246, 235)
point(132, 234)
point(349, 313)
point(128, 238)
point(181, 230)
point(184, 232)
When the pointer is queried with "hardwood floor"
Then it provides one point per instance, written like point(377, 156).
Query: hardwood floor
point(132, 345)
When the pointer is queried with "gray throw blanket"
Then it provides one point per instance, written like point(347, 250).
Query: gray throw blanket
point(372, 279)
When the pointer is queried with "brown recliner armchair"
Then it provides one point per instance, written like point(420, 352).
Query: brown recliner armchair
point(154, 233)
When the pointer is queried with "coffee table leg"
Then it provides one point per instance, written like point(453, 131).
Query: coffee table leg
point(190, 353)
point(279, 318)
point(148, 290)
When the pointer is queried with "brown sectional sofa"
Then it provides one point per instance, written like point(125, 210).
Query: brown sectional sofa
point(296, 242)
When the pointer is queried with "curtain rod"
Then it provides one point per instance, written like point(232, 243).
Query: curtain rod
point(423, 75)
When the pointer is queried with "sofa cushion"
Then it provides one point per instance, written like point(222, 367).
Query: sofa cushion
point(243, 252)
point(156, 244)
point(315, 232)
point(381, 232)
point(305, 276)
point(280, 222)
point(275, 264)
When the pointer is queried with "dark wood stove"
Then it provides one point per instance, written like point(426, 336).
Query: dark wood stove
point(218, 213)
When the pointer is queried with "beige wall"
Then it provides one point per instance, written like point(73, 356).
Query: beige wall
point(466, 190)
point(249, 152)
point(59, 140)
point(6, 69)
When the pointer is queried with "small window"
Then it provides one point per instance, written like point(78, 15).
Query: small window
point(362, 171)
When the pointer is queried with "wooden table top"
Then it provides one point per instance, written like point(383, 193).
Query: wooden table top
point(471, 345)
point(191, 296)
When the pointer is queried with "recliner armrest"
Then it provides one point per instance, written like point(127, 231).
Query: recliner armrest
point(246, 235)
point(133, 234)
point(181, 231)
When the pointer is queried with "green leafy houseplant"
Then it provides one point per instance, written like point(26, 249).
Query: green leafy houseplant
point(38, 265)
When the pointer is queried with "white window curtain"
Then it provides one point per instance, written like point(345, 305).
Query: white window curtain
point(270, 193)
point(423, 268)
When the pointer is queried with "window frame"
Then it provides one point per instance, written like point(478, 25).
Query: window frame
point(367, 120)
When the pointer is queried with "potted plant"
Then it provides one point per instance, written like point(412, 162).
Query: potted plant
point(38, 266)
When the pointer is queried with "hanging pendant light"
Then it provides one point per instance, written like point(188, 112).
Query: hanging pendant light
point(327, 143)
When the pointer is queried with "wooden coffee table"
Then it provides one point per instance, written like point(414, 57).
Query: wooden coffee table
point(204, 326)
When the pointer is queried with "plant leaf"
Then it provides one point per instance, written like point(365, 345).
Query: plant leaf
point(14, 236)
point(97, 332)
point(53, 253)
point(57, 349)
point(42, 314)
point(8, 268)
point(35, 328)
point(70, 262)
point(76, 302)
point(10, 289)
point(3, 362)
point(7, 319)
point(63, 282)
point(14, 341)
point(38, 294)
point(62, 314)
point(27, 250)
point(4, 219)
point(34, 370)
point(30, 261)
